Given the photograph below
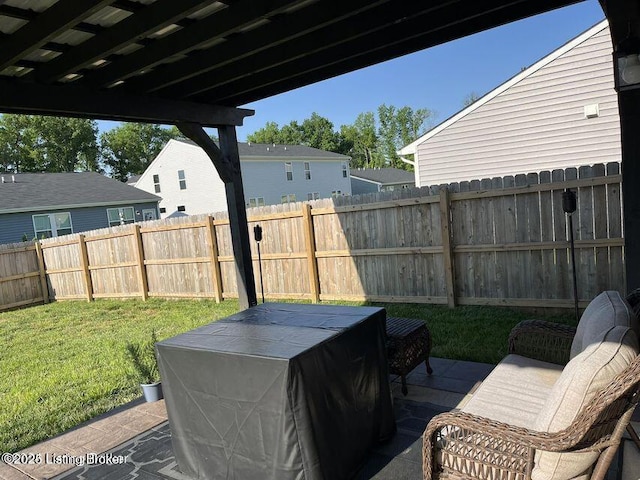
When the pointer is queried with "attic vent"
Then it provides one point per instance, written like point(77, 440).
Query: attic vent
point(13, 178)
point(267, 149)
point(285, 149)
point(3, 180)
point(592, 111)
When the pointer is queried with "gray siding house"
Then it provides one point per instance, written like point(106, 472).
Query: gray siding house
point(37, 205)
point(370, 180)
point(183, 175)
point(561, 112)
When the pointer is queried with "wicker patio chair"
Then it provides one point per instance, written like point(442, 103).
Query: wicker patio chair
point(460, 445)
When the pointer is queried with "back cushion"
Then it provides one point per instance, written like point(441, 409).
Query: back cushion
point(583, 377)
point(605, 311)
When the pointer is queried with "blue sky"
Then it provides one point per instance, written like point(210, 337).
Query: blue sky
point(438, 78)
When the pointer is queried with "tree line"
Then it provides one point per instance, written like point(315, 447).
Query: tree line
point(372, 140)
point(31, 143)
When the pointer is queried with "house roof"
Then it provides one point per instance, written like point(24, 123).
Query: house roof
point(265, 151)
point(383, 176)
point(133, 179)
point(46, 191)
point(180, 61)
point(412, 147)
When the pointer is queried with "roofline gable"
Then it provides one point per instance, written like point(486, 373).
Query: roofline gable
point(597, 28)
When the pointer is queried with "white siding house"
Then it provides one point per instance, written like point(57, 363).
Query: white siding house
point(188, 183)
point(560, 112)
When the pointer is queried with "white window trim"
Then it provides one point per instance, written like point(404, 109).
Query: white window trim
point(120, 208)
point(156, 185)
point(259, 202)
point(288, 169)
point(183, 179)
point(52, 222)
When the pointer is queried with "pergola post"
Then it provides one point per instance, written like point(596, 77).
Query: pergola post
point(238, 218)
point(226, 159)
point(629, 107)
point(624, 24)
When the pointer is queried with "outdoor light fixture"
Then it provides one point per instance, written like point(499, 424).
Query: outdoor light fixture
point(257, 235)
point(627, 64)
point(569, 206)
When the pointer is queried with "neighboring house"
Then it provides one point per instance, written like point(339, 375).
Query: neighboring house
point(369, 180)
point(133, 179)
point(52, 204)
point(184, 176)
point(560, 112)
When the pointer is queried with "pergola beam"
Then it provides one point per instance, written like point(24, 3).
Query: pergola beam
point(71, 101)
point(315, 31)
point(58, 18)
point(154, 17)
point(230, 20)
point(391, 42)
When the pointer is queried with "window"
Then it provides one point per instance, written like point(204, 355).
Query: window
point(256, 202)
point(181, 208)
point(288, 170)
point(163, 210)
point(120, 216)
point(52, 224)
point(313, 196)
point(345, 170)
point(182, 180)
point(307, 171)
point(336, 193)
point(288, 198)
point(156, 183)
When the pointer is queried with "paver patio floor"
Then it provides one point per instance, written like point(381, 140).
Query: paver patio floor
point(141, 433)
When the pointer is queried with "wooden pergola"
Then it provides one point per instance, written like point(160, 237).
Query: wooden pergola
point(190, 63)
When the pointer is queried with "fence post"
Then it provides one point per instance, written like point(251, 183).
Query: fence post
point(216, 274)
point(84, 261)
point(447, 251)
point(142, 271)
point(44, 288)
point(312, 261)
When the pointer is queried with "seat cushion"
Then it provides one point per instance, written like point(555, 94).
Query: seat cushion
point(583, 377)
point(515, 391)
point(605, 311)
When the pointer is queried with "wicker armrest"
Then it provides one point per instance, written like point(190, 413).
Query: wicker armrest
point(465, 443)
point(546, 341)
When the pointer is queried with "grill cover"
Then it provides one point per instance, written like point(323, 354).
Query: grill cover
point(278, 391)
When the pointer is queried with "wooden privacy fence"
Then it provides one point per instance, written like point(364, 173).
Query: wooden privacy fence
point(501, 241)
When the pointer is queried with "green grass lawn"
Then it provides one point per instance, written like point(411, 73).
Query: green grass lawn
point(65, 362)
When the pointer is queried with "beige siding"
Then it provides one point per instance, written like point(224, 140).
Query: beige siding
point(536, 124)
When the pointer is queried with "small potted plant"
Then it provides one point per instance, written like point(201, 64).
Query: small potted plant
point(143, 357)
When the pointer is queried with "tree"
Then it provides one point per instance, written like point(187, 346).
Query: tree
point(270, 133)
point(399, 127)
point(17, 144)
point(470, 98)
point(362, 141)
point(318, 132)
point(32, 143)
point(130, 148)
point(66, 144)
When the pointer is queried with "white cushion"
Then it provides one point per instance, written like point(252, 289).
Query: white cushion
point(605, 311)
point(515, 391)
point(581, 379)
